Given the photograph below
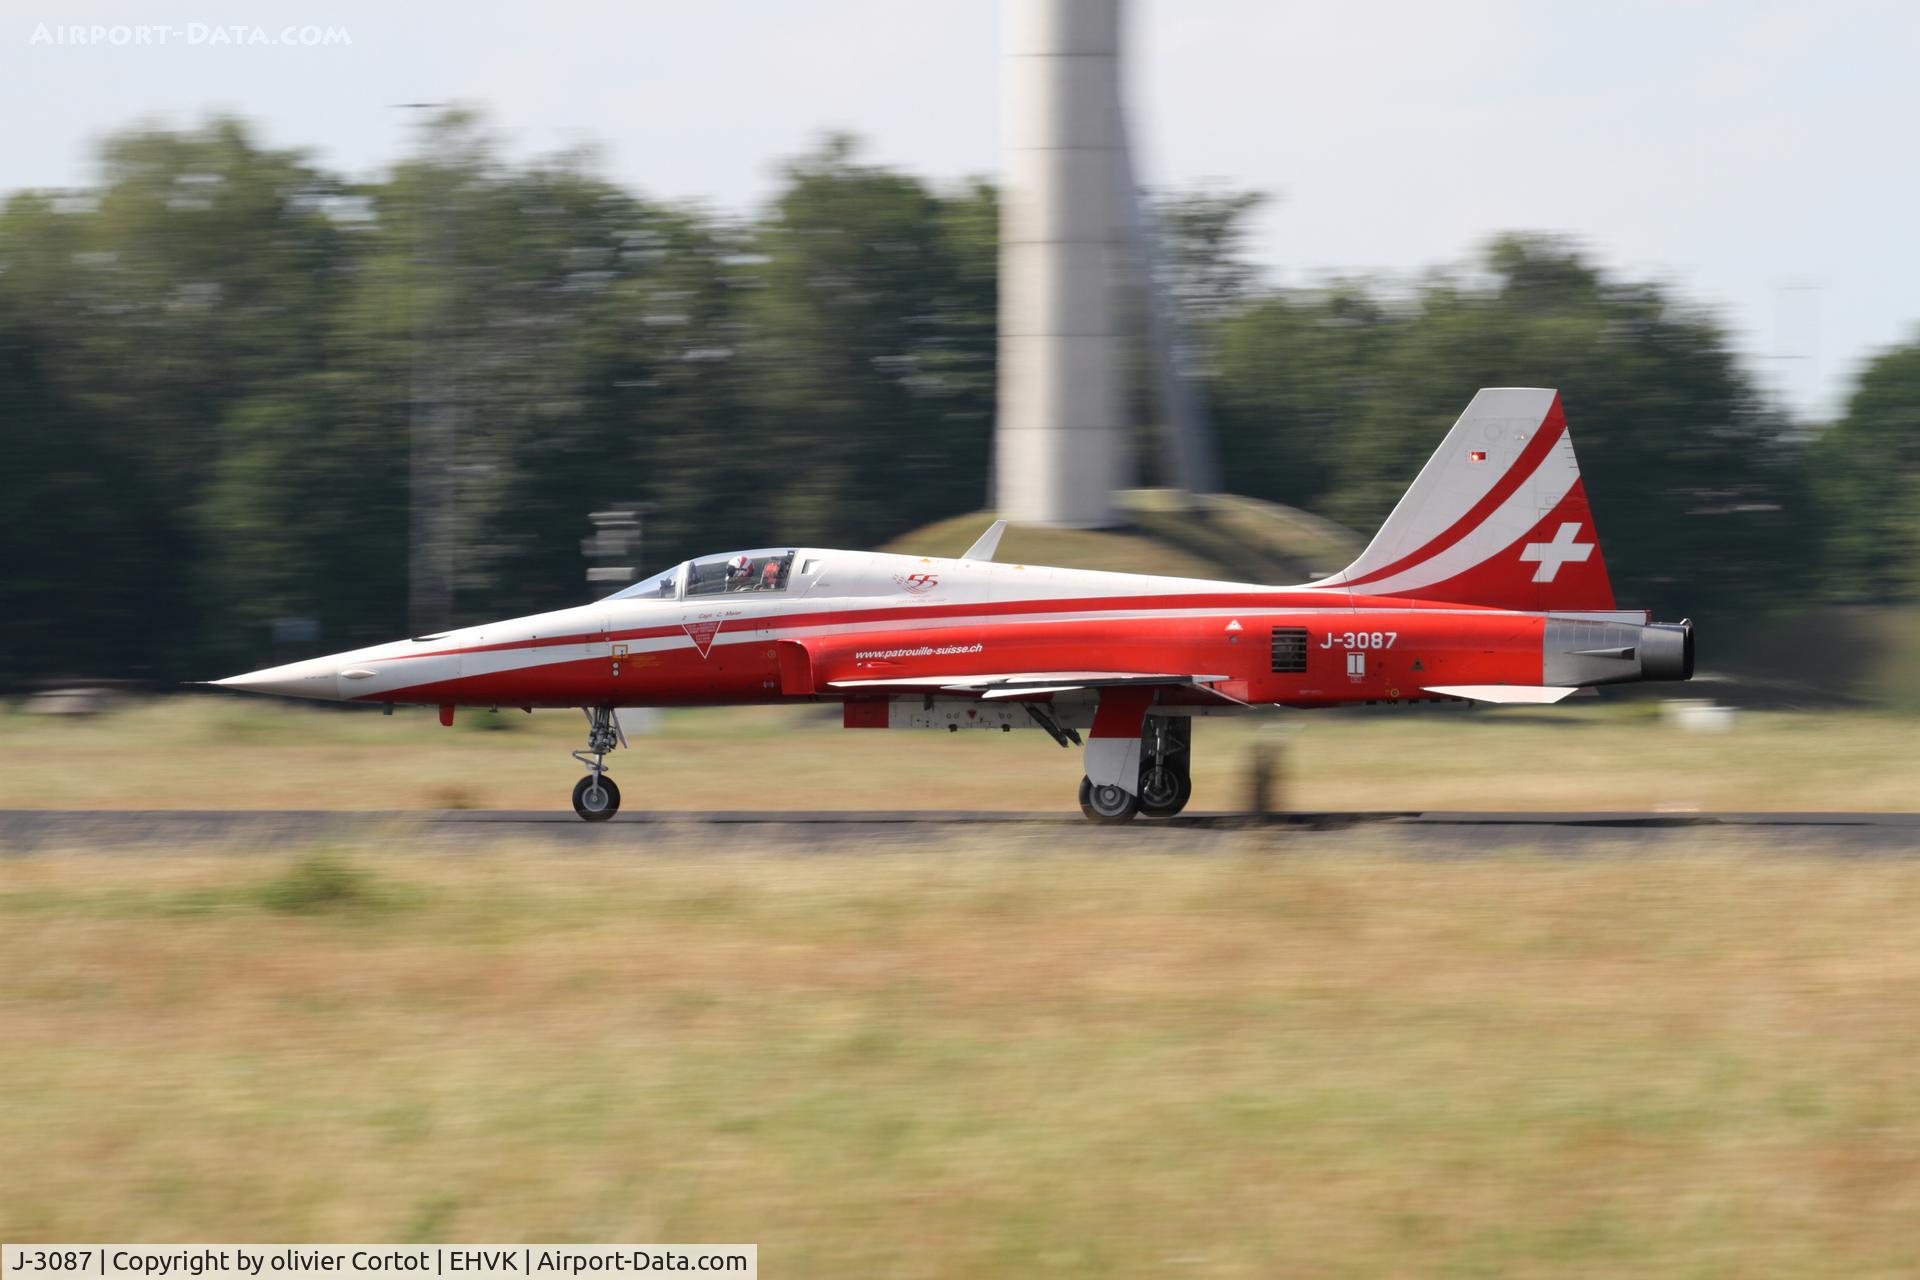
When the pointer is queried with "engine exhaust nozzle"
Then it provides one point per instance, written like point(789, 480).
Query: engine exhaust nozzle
point(1666, 651)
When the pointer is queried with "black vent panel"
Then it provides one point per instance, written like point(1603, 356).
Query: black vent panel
point(1289, 650)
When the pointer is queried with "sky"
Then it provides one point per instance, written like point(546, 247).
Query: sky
point(1754, 154)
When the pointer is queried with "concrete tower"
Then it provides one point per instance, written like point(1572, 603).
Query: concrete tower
point(1060, 444)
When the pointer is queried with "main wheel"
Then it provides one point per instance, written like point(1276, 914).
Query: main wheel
point(1164, 790)
point(596, 800)
point(1107, 804)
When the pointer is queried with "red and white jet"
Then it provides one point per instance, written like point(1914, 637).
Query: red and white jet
point(1486, 583)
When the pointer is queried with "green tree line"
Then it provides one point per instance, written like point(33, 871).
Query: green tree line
point(212, 364)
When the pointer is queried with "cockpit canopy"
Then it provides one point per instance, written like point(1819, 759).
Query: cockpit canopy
point(768, 569)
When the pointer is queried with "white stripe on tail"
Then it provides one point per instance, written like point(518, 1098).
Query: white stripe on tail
point(1498, 517)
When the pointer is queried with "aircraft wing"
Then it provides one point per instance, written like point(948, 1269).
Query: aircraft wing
point(1017, 684)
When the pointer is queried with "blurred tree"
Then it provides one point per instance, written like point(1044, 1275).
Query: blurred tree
point(1868, 472)
point(606, 365)
point(1694, 483)
point(302, 512)
point(203, 269)
point(1287, 375)
point(1333, 400)
point(209, 365)
point(1202, 237)
point(71, 549)
point(870, 351)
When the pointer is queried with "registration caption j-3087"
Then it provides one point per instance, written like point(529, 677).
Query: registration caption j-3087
point(166, 1263)
point(1359, 639)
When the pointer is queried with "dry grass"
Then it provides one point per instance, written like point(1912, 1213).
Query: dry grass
point(969, 1062)
point(239, 753)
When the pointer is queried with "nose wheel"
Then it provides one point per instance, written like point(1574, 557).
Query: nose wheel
point(595, 797)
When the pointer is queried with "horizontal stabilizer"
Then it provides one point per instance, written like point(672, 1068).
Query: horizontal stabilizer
point(1526, 693)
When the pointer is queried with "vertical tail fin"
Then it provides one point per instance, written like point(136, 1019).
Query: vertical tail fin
point(1498, 517)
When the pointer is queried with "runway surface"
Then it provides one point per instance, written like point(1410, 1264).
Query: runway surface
point(1444, 831)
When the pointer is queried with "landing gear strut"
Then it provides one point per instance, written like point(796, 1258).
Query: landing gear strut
point(1166, 771)
point(595, 797)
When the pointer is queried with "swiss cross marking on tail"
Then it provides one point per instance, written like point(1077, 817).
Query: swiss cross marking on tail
point(1551, 555)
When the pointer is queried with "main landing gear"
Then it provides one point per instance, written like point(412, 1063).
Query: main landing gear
point(1166, 776)
point(595, 797)
point(1166, 765)
point(1107, 804)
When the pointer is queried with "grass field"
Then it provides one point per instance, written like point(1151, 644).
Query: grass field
point(231, 752)
point(980, 1062)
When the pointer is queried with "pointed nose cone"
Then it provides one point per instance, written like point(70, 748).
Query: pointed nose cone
point(314, 678)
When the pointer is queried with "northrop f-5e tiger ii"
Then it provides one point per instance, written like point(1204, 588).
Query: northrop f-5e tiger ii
point(1485, 584)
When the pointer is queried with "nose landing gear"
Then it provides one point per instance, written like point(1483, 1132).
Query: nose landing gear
point(595, 797)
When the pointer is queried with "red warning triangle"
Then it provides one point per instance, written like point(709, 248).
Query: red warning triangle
point(702, 634)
